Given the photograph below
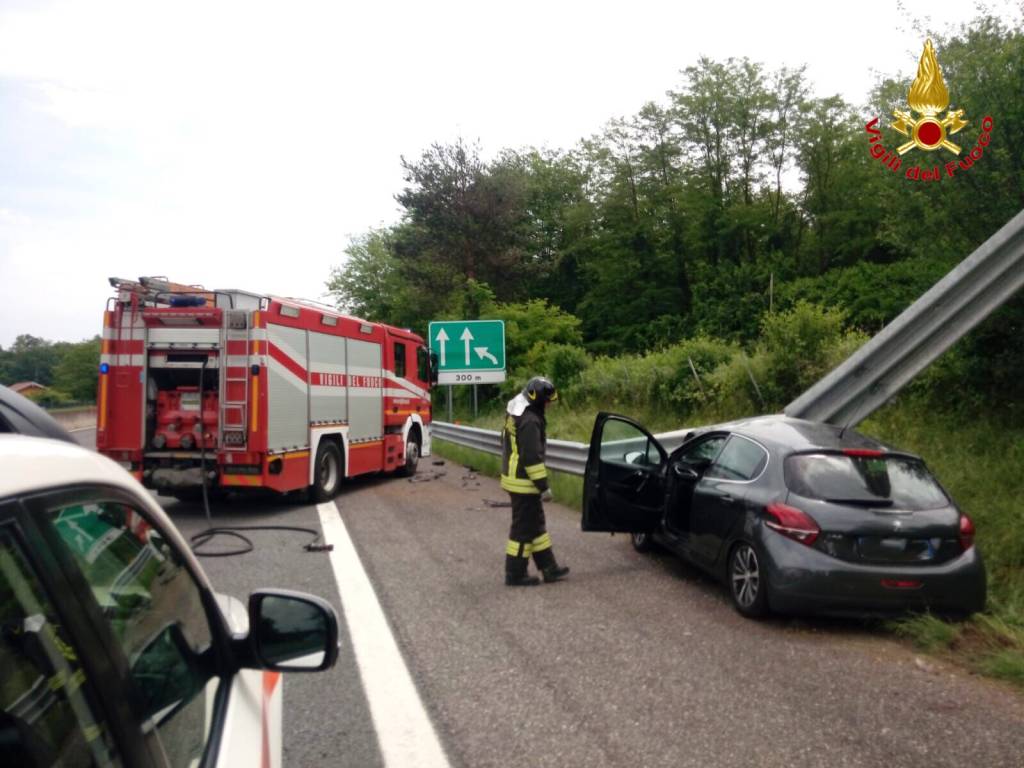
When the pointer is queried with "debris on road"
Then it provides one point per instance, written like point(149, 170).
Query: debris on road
point(493, 503)
point(426, 477)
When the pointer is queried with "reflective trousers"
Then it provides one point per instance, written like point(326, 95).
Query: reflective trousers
point(528, 533)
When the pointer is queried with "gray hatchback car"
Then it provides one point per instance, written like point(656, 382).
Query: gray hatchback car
point(794, 516)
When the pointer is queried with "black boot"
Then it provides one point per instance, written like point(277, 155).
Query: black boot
point(546, 563)
point(515, 572)
point(555, 573)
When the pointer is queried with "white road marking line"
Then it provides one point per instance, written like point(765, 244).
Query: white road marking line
point(404, 731)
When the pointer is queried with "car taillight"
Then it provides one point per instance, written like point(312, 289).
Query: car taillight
point(966, 533)
point(792, 522)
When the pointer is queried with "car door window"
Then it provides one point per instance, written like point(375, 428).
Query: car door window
point(47, 710)
point(703, 451)
point(155, 612)
point(741, 459)
point(623, 443)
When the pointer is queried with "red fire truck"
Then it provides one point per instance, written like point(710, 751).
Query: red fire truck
point(250, 391)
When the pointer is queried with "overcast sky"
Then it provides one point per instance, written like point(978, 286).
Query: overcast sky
point(239, 145)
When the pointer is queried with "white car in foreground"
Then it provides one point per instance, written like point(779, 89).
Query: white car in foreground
point(114, 648)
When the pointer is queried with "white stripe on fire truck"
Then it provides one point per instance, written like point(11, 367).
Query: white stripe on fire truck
point(402, 393)
point(361, 370)
point(115, 361)
point(291, 378)
point(238, 361)
point(392, 379)
point(338, 368)
point(288, 351)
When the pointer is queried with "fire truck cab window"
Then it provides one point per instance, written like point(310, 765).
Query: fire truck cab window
point(400, 360)
point(154, 612)
point(422, 363)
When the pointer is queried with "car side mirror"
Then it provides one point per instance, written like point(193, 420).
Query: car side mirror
point(432, 373)
point(292, 631)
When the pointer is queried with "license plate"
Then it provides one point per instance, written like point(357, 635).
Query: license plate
point(897, 549)
point(894, 545)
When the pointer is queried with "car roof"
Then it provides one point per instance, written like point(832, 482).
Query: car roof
point(36, 463)
point(19, 414)
point(788, 434)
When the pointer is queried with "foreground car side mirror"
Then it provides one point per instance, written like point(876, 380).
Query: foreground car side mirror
point(292, 631)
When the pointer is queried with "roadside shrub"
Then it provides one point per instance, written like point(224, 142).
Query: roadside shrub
point(51, 398)
point(530, 322)
point(802, 345)
point(872, 294)
point(562, 363)
point(734, 395)
point(661, 380)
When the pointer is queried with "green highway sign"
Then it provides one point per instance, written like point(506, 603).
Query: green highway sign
point(469, 351)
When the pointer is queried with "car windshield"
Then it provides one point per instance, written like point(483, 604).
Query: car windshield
point(897, 481)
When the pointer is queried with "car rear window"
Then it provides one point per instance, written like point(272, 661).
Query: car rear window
point(896, 481)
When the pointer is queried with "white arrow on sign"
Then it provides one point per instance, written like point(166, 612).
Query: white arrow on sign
point(442, 337)
point(467, 337)
point(482, 352)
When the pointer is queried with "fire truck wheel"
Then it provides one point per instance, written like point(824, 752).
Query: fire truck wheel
point(412, 458)
point(327, 472)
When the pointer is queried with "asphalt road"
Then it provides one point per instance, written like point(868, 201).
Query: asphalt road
point(635, 660)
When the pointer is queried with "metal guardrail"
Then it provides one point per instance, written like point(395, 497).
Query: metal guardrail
point(564, 455)
point(926, 329)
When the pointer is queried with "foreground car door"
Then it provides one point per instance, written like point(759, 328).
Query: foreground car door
point(624, 482)
point(157, 624)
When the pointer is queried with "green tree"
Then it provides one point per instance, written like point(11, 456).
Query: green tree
point(31, 359)
point(76, 373)
point(465, 221)
point(369, 283)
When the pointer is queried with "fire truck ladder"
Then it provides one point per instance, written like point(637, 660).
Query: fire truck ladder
point(234, 412)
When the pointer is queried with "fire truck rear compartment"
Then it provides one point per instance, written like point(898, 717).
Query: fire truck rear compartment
point(181, 419)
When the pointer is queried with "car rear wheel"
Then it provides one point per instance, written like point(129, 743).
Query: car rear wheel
point(642, 542)
point(747, 585)
point(326, 472)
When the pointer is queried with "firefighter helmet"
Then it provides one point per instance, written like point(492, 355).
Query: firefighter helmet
point(540, 390)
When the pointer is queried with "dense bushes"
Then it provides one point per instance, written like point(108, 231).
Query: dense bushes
point(795, 349)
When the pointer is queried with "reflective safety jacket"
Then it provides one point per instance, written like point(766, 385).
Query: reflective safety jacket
point(522, 453)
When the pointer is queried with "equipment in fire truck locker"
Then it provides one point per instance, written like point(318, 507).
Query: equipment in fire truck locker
point(181, 423)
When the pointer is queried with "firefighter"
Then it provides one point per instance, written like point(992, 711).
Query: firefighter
point(525, 477)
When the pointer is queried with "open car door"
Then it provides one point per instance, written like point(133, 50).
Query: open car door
point(624, 483)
